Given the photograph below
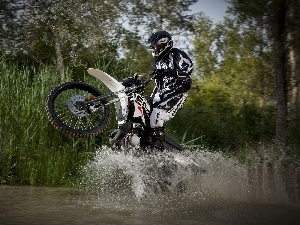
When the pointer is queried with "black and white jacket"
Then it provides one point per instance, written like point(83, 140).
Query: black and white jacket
point(166, 87)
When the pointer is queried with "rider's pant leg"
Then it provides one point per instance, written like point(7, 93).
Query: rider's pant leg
point(166, 110)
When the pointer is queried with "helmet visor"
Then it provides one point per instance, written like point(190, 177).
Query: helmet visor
point(158, 48)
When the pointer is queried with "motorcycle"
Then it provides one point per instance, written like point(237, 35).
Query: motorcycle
point(82, 111)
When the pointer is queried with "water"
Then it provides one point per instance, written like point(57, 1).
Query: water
point(124, 189)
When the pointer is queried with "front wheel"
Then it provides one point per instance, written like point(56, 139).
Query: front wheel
point(65, 111)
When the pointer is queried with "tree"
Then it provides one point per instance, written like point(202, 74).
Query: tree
point(274, 14)
point(205, 50)
point(234, 58)
point(74, 32)
point(168, 15)
point(65, 31)
point(237, 54)
point(137, 55)
point(144, 17)
point(294, 62)
point(279, 41)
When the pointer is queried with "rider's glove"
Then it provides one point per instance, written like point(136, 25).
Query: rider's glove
point(137, 77)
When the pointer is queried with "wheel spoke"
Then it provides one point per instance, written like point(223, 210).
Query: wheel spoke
point(67, 111)
point(81, 121)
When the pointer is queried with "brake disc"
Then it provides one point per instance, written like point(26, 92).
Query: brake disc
point(76, 106)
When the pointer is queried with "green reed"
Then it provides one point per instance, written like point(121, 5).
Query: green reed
point(31, 150)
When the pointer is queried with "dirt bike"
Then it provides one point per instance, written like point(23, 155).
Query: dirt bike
point(80, 110)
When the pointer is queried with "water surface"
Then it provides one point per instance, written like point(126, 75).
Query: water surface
point(123, 189)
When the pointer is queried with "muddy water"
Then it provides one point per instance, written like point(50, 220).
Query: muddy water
point(123, 189)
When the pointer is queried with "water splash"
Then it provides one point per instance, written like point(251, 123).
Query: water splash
point(144, 176)
point(263, 179)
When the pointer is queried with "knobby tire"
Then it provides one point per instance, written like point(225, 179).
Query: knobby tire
point(72, 130)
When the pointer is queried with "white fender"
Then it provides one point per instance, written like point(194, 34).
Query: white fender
point(108, 80)
point(113, 85)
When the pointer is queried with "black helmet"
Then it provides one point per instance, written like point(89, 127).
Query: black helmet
point(161, 42)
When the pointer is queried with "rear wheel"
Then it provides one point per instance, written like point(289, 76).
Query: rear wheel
point(67, 113)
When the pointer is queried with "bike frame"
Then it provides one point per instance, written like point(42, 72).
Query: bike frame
point(141, 106)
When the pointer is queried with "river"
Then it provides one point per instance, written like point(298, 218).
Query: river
point(121, 189)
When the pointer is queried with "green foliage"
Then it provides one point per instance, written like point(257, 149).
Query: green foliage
point(204, 41)
point(276, 22)
point(231, 104)
point(136, 54)
point(212, 118)
point(232, 101)
point(31, 150)
point(78, 30)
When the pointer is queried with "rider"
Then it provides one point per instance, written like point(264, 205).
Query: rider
point(172, 69)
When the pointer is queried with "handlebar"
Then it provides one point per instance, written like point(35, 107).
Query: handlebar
point(130, 84)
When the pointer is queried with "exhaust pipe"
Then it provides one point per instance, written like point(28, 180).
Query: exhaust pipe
point(121, 133)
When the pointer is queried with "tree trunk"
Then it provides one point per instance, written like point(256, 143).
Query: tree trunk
point(294, 66)
point(260, 30)
point(279, 20)
point(293, 88)
point(59, 57)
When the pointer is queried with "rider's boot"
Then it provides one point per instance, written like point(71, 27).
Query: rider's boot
point(157, 137)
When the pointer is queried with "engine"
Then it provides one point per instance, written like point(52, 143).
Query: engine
point(134, 140)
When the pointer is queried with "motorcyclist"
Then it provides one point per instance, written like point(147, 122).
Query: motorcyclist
point(172, 69)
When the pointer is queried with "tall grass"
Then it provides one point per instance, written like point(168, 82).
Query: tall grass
point(31, 150)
